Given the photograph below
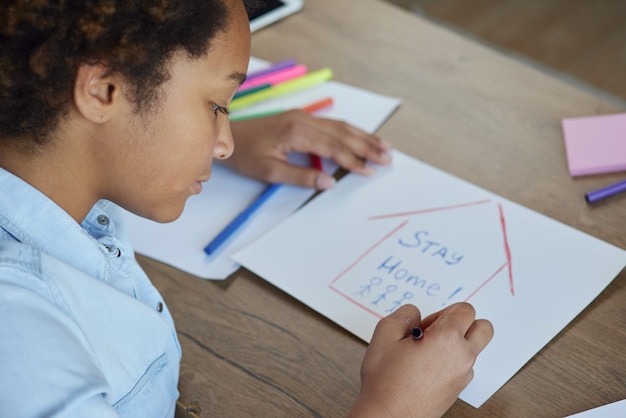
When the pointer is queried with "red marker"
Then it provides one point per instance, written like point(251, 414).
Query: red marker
point(316, 161)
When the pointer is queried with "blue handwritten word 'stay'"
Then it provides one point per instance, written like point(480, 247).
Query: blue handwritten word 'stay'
point(434, 249)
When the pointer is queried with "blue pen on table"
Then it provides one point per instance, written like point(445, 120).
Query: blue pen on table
point(240, 219)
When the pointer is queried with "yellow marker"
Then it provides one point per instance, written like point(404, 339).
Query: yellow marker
point(280, 89)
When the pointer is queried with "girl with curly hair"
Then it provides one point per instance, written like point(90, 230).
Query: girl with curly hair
point(107, 104)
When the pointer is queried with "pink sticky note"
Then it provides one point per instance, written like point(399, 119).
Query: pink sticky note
point(595, 144)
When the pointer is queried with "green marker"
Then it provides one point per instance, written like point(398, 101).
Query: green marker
point(251, 90)
point(256, 115)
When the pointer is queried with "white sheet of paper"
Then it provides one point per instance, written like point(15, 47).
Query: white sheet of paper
point(415, 234)
point(181, 242)
point(612, 410)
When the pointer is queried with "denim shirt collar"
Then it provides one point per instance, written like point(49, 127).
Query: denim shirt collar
point(28, 216)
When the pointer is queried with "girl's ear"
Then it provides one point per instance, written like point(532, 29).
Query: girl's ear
point(96, 92)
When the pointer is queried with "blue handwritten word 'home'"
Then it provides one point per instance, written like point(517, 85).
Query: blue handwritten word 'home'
point(394, 268)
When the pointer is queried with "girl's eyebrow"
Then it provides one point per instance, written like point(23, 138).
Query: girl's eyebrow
point(238, 78)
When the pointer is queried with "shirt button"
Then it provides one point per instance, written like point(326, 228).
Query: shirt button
point(103, 220)
point(159, 307)
point(114, 251)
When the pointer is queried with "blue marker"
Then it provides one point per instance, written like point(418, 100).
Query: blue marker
point(240, 219)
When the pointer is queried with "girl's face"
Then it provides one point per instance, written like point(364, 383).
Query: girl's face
point(161, 158)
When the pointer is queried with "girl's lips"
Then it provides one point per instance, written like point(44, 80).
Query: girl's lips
point(196, 187)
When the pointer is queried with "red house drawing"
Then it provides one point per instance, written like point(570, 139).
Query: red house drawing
point(440, 255)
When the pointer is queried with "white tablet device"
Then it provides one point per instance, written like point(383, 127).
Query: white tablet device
point(269, 11)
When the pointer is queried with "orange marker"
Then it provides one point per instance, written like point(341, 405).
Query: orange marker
point(319, 105)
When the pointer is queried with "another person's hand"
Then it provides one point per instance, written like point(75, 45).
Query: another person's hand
point(403, 377)
point(262, 146)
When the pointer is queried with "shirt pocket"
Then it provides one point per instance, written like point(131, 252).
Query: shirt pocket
point(154, 394)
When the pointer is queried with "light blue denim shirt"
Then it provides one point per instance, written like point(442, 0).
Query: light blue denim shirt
point(83, 333)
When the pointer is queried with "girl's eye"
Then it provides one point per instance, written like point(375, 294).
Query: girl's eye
point(221, 109)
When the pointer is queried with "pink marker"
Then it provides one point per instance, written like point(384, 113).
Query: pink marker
point(272, 68)
point(275, 77)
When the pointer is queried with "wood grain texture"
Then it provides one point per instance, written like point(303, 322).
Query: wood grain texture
point(584, 39)
point(251, 350)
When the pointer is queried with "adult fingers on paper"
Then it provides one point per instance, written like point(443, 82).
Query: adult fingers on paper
point(462, 317)
point(479, 335)
point(348, 145)
point(263, 146)
point(403, 377)
point(262, 152)
point(457, 329)
point(281, 171)
point(458, 315)
point(398, 325)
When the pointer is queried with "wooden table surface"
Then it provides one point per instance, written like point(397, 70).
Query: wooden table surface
point(251, 350)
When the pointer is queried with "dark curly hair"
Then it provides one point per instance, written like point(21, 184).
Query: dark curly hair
point(43, 42)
